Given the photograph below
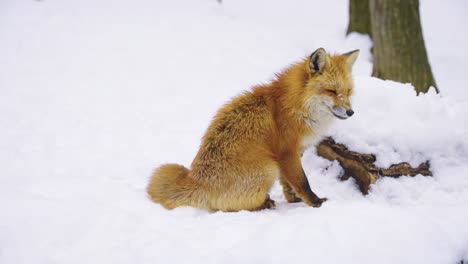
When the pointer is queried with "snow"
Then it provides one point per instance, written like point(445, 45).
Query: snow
point(96, 94)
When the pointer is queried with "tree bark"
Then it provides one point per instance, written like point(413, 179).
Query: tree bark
point(359, 17)
point(361, 166)
point(399, 51)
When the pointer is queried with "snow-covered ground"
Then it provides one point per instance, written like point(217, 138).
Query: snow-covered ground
point(95, 94)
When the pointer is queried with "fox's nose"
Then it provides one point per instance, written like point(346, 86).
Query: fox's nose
point(350, 112)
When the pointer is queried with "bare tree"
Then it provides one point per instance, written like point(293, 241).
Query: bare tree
point(359, 17)
point(399, 51)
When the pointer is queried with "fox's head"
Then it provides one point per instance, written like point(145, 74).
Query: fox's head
point(330, 84)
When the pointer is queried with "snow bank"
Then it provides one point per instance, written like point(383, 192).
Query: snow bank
point(397, 125)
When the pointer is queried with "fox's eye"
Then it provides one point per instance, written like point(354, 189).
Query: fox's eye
point(332, 91)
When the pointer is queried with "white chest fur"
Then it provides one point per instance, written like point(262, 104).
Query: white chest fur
point(318, 129)
point(309, 141)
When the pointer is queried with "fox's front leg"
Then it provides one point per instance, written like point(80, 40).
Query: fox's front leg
point(292, 173)
point(288, 191)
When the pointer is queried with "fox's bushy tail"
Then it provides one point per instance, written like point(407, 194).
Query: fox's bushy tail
point(171, 187)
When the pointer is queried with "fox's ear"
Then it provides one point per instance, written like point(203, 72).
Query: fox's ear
point(351, 57)
point(318, 60)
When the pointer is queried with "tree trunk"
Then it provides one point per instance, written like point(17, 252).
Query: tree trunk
point(359, 17)
point(399, 52)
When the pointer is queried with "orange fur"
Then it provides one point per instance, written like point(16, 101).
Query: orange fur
point(258, 137)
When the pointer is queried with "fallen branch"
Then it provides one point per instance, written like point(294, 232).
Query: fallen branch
point(361, 166)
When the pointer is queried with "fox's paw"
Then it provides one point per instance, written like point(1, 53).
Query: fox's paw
point(293, 199)
point(269, 204)
point(317, 203)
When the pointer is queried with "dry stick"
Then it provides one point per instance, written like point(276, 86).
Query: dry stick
point(361, 166)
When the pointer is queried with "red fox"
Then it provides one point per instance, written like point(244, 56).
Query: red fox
point(258, 137)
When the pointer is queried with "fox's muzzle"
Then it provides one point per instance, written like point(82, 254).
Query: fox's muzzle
point(341, 112)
